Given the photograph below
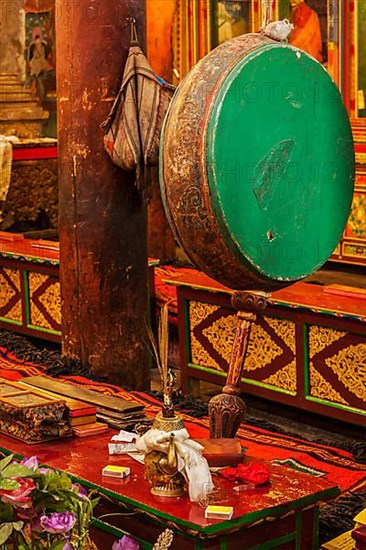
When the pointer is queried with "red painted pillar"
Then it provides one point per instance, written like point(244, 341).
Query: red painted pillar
point(103, 267)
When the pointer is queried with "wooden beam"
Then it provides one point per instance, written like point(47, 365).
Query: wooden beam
point(102, 219)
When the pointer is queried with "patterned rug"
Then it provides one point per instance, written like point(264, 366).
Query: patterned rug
point(336, 465)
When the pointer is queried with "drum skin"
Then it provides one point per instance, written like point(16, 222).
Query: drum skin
point(257, 164)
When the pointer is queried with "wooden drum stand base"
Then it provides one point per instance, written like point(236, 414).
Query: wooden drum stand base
point(226, 410)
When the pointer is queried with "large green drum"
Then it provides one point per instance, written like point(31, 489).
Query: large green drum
point(257, 164)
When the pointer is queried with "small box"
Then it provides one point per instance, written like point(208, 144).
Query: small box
point(222, 451)
point(116, 471)
point(219, 512)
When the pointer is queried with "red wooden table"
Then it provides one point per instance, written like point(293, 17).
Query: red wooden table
point(281, 515)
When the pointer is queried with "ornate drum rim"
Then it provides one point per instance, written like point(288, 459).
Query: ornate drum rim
point(203, 84)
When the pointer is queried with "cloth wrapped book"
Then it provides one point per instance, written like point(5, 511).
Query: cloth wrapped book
point(31, 417)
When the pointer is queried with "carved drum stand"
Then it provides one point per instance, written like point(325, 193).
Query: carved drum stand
point(256, 173)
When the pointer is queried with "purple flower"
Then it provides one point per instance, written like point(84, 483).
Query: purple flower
point(126, 543)
point(31, 463)
point(67, 545)
point(80, 490)
point(58, 522)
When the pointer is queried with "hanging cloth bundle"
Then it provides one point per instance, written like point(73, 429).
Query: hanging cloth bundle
point(135, 121)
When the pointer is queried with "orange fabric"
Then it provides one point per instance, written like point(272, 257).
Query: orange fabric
point(306, 34)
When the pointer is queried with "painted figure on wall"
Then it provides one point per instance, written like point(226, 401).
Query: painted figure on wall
point(38, 55)
point(307, 33)
point(233, 19)
point(40, 65)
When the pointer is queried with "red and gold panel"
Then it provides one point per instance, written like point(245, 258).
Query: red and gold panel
point(360, 154)
point(352, 247)
point(361, 174)
point(45, 301)
point(10, 295)
point(356, 224)
point(271, 350)
point(281, 370)
point(212, 331)
point(337, 363)
point(355, 251)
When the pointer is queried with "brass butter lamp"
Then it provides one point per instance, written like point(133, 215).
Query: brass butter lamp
point(162, 467)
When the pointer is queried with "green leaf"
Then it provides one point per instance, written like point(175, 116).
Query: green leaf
point(54, 481)
point(5, 461)
point(94, 502)
point(18, 525)
point(9, 484)
point(17, 470)
point(6, 512)
point(58, 545)
point(6, 530)
point(51, 503)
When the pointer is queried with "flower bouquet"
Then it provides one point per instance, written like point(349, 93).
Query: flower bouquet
point(41, 508)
